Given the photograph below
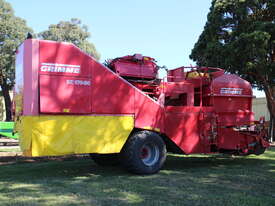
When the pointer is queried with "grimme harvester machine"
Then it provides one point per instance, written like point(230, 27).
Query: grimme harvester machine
point(68, 103)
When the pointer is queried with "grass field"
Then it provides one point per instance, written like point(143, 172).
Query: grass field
point(184, 180)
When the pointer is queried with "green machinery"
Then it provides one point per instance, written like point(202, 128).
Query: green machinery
point(6, 130)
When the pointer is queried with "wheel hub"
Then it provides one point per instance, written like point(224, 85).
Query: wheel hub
point(149, 154)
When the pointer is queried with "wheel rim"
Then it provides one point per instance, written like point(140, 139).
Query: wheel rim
point(149, 154)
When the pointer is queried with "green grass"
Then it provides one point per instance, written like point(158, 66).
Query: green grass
point(184, 180)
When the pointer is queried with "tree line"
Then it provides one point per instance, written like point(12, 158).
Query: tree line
point(14, 30)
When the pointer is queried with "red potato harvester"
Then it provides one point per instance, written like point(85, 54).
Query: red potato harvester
point(66, 102)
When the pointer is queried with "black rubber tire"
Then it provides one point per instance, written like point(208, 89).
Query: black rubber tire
point(131, 154)
point(106, 159)
point(259, 149)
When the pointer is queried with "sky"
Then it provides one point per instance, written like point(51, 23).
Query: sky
point(163, 29)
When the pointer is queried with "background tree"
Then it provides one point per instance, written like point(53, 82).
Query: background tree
point(13, 31)
point(71, 31)
point(239, 36)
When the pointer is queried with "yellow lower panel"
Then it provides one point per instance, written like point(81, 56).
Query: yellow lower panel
point(59, 135)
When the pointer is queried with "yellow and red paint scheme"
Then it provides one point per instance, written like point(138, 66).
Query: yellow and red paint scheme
point(67, 102)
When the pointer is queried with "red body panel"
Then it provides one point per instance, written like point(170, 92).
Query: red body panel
point(64, 94)
point(75, 62)
point(197, 109)
point(111, 94)
point(183, 128)
point(148, 113)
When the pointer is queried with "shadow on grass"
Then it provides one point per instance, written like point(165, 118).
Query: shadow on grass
point(183, 163)
point(76, 165)
point(189, 180)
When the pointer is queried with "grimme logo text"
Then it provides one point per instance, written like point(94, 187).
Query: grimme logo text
point(62, 68)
